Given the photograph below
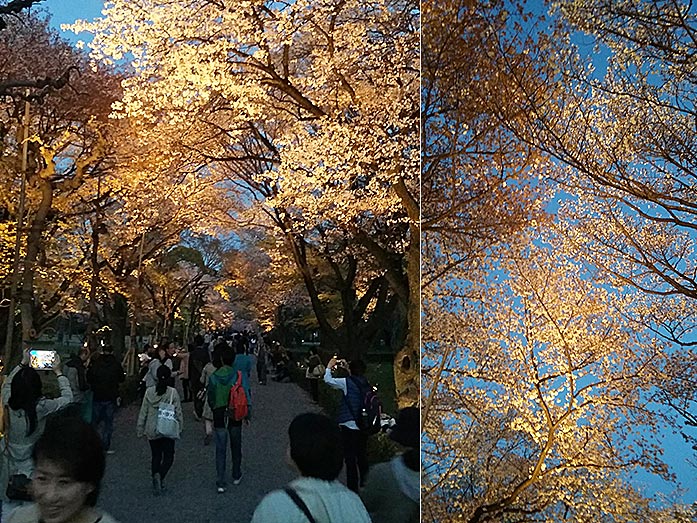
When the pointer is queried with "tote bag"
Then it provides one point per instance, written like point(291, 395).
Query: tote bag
point(167, 423)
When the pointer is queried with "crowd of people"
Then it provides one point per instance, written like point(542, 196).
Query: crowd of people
point(47, 483)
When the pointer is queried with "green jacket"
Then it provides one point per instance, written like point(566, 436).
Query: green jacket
point(219, 385)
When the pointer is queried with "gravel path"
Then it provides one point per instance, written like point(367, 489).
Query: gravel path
point(191, 496)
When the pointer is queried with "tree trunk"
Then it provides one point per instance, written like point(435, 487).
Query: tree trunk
point(193, 316)
point(169, 329)
point(116, 315)
point(407, 360)
point(34, 239)
point(94, 283)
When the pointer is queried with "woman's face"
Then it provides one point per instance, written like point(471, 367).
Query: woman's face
point(58, 496)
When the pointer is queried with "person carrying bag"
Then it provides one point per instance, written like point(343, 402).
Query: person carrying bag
point(161, 421)
point(167, 423)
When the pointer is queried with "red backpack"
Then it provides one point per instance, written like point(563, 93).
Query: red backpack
point(237, 406)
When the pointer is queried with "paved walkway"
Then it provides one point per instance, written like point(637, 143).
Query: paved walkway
point(191, 496)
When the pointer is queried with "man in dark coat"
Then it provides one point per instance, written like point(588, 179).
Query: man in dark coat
point(104, 376)
point(197, 360)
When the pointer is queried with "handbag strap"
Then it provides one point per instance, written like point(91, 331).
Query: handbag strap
point(300, 503)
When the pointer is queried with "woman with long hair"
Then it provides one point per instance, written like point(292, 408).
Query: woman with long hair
point(161, 445)
point(26, 415)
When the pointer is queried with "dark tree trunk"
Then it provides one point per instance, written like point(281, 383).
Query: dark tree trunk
point(116, 315)
point(93, 319)
point(34, 242)
point(407, 362)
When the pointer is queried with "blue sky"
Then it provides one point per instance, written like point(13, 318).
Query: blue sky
point(67, 11)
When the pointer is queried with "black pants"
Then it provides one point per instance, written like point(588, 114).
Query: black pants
point(314, 388)
point(261, 370)
point(162, 450)
point(186, 389)
point(355, 457)
point(196, 386)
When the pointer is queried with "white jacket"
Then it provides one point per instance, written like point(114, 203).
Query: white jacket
point(328, 502)
point(19, 444)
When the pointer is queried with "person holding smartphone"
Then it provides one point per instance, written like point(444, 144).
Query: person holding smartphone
point(355, 441)
point(27, 413)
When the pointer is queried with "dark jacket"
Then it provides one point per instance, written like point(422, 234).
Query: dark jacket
point(351, 404)
point(104, 376)
point(197, 360)
point(76, 363)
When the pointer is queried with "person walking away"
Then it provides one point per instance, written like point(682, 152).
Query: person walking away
point(197, 361)
point(184, 374)
point(26, 411)
point(219, 385)
point(207, 413)
point(76, 372)
point(391, 494)
point(314, 373)
point(104, 377)
point(315, 452)
point(262, 370)
point(243, 363)
point(161, 445)
point(68, 470)
point(355, 441)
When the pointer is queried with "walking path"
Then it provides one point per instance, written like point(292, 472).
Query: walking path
point(191, 494)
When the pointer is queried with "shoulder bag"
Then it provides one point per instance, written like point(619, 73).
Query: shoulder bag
point(167, 422)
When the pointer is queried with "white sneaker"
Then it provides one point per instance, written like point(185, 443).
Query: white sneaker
point(237, 481)
point(110, 452)
point(221, 490)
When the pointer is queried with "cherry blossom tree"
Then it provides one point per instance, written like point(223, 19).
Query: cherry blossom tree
point(521, 333)
point(622, 125)
point(329, 92)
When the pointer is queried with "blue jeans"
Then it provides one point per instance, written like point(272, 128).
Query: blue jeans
point(234, 431)
point(103, 412)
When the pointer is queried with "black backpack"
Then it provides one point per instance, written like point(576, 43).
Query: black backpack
point(368, 419)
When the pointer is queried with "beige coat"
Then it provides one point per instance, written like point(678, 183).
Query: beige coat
point(147, 418)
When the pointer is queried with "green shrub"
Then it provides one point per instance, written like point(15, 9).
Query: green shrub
point(381, 448)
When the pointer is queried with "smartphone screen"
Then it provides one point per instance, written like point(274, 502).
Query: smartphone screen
point(42, 359)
